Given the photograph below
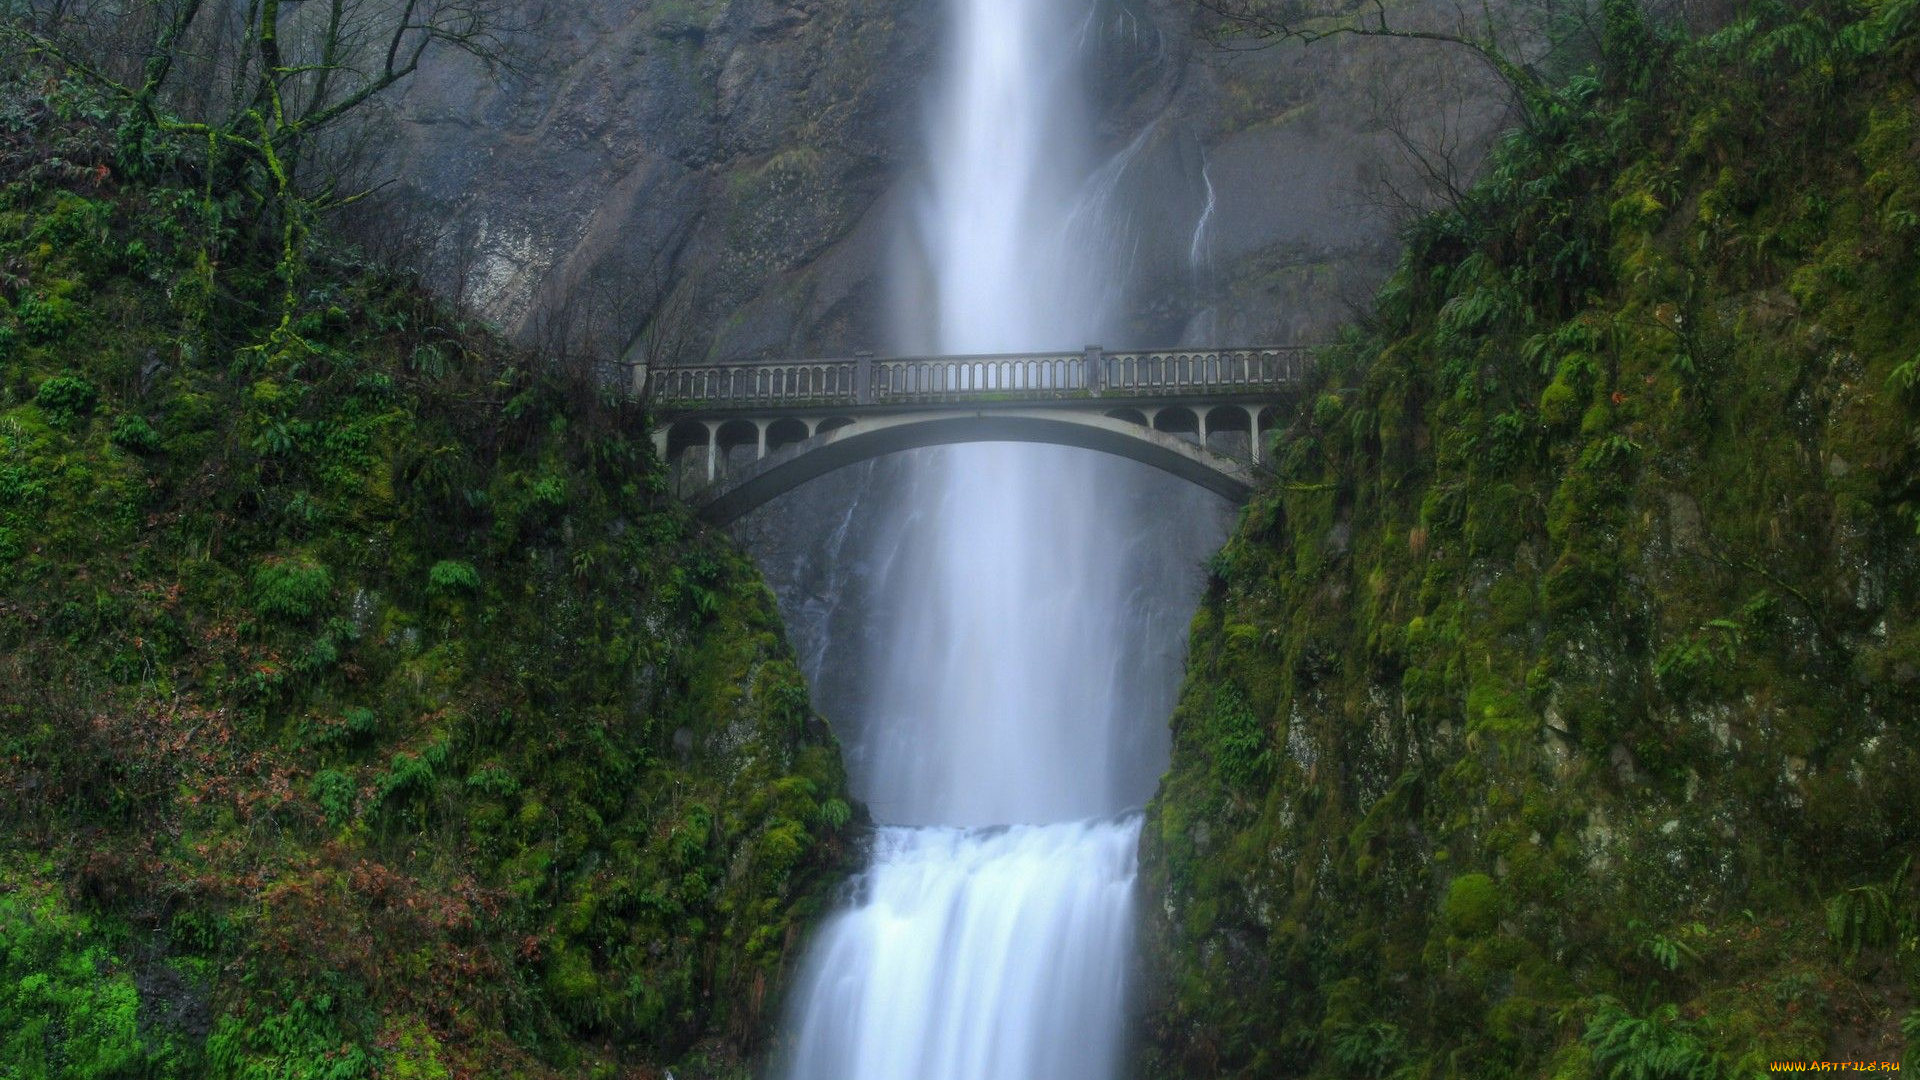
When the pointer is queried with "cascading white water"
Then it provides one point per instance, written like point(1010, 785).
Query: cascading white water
point(977, 953)
point(1021, 661)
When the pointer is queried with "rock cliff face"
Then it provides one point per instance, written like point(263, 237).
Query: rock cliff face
point(752, 161)
point(738, 152)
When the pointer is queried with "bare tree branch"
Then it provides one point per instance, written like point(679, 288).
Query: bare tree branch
point(1260, 23)
point(297, 70)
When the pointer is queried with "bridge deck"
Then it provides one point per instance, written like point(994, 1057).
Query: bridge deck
point(864, 380)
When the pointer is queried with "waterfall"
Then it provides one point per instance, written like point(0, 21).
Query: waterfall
point(1020, 647)
point(984, 953)
point(1198, 253)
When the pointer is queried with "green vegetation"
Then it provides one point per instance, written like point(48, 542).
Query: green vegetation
point(71, 1006)
point(359, 715)
point(1551, 716)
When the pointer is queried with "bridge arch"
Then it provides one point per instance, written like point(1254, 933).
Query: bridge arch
point(785, 432)
point(732, 438)
point(1229, 430)
point(685, 435)
point(779, 471)
point(1180, 420)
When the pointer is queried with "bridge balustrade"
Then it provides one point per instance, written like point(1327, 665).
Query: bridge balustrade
point(865, 380)
point(1176, 371)
point(929, 379)
point(783, 383)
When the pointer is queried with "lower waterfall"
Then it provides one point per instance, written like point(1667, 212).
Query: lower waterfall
point(973, 953)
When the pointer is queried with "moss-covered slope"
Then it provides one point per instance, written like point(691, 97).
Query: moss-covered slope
point(366, 707)
point(1554, 714)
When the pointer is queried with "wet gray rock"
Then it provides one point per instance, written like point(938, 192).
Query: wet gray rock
point(753, 160)
point(728, 150)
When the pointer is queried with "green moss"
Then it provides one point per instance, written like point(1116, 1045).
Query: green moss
point(69, 1006)
point(1559, 404)
point(1472, 905)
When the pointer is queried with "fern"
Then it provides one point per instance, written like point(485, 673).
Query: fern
point(1242, 750)
point(429, 361)
point(1658, 1046)
point(1875, 35)
point(1714, 647)
point(307, 1041)
point(451, 576)
point(291, 588)
point(332, 791)
point(1370, 1050)
point(1860, 918)
point(835, 813)
point(1805, 42)
point(1866, 916)
point(1905, 376)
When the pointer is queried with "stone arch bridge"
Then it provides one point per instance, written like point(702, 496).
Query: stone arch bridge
point(739, 434)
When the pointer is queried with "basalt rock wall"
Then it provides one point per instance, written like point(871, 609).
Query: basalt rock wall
point(702, 178)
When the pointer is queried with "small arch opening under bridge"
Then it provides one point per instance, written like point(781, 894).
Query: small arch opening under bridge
point(1179, 420)
point(786, 431)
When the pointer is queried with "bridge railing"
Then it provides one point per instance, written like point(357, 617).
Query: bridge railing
point(777, 383)
point(1204, 371)
point(915, 379)
point(867, 380)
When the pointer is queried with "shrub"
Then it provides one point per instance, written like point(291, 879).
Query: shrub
point(66, 398)
point(24, 486)
point(46, 319)
point(133, 433)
